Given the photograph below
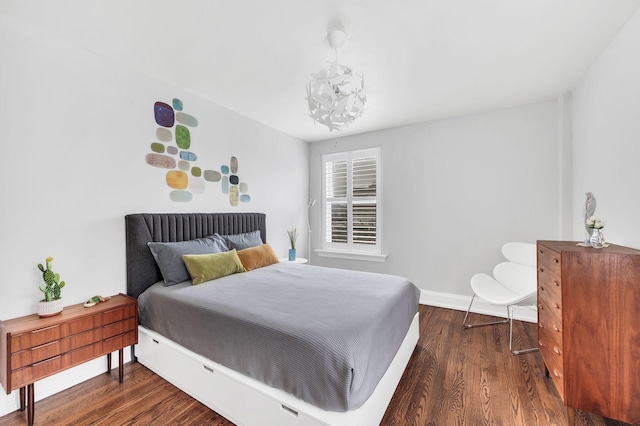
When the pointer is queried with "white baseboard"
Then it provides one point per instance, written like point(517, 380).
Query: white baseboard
point(461, 303)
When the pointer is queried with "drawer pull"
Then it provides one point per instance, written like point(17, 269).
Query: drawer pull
point(45, 328)
point(555, 305)
point(541, 343)
point(541, 288)
point(555, 260)
point(540, 306)
point(555, 327)
point(556, 283)
point(540, 251)
point(557, 373)
point(540, 325)
point(541, 270)
point(47, 360)
point(557, 350)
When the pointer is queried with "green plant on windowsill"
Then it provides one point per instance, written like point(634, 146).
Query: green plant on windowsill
point(52, 285)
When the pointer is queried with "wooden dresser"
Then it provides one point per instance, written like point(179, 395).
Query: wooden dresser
point(589, 326)
point(32, 348)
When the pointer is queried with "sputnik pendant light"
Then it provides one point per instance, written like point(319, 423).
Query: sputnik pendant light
point(335, 94)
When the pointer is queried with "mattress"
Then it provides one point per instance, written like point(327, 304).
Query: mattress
point(324, 335)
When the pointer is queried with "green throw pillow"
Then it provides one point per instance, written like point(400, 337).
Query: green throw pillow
point(207, 267)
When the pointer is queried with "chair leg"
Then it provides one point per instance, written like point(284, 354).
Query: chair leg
point(520, 351)
point(464, 321)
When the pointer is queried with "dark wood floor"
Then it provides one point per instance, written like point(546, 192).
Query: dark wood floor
point(455, 377)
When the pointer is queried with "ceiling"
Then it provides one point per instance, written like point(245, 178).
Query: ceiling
point(421, 59)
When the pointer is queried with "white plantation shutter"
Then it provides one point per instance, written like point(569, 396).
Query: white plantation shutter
point(351, 199)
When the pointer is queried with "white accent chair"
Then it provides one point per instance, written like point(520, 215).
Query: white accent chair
point(514, 283)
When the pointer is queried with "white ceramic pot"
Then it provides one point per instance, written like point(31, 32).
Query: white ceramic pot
point(49, 309)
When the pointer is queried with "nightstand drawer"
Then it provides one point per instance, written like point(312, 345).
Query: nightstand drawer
point(36, 337)
point(117, 328)
point(39, 370)
point(118, 314)
point(119, 341)
point(37, 354)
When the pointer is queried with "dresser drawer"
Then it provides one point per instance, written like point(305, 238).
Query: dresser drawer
point(118, 328)
point(36, 354)
point(548, 260)
point(36, 337)
point(556, 372)
point(38, 370)
point(44, 335)
point(549, 287)
point(118, 314)
point(117, 342)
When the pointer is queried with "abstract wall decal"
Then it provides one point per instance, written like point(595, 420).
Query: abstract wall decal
point(177, 179)
point(186, 119)
point(157, 147)
point(212, 176)
point(188, 156)
point(180, 196)
point(183, 137)
point(172, 151)
point(224, 185)
point(164, 114)
point(159, 160)
point(233, 196)
point(164, 135)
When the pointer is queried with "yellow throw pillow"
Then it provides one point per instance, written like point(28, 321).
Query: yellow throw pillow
point(207, 267)
point(257, 257)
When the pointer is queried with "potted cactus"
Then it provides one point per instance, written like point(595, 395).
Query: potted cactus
point(52, 303)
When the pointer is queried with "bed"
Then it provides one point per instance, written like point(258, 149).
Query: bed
point(281, 344)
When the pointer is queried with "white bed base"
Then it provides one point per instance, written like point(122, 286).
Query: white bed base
point(248, 402)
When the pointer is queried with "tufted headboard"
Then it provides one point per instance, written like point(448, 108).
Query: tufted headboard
point(141, 228)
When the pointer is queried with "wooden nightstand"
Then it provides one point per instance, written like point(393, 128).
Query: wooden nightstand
point(32, 348)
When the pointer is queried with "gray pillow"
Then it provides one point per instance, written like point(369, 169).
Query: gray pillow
point(168, 256)
point(243, 241)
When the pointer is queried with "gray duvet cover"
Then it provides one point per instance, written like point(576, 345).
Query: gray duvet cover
point(324, 335)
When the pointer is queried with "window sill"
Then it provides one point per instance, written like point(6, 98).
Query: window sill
point(369, 257)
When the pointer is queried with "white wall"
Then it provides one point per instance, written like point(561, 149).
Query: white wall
point(455, 190)
point(75, 131)
point(607, 137)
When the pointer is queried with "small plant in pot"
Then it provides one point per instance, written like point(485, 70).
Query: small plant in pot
point(52, 303)
point(293, 236)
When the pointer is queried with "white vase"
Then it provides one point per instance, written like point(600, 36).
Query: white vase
point(597, 238)
point(49, 309)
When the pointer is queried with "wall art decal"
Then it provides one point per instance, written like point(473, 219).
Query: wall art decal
point(174, 150)
point(164, 114)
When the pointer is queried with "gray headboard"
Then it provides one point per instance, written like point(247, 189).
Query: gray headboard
point(142, 270)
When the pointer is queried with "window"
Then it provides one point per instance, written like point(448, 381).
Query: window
point(351, 200)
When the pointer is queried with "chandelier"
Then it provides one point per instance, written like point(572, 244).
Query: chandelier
point(336, 96)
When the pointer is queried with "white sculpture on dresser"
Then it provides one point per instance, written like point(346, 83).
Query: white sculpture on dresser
point(589, 210)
